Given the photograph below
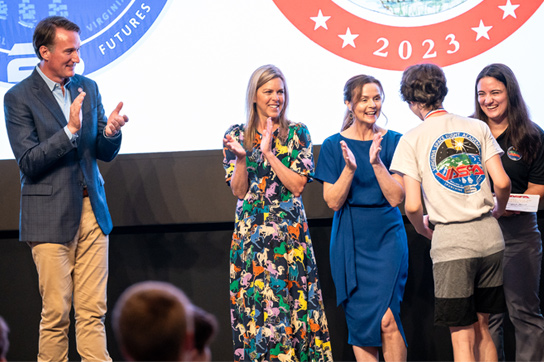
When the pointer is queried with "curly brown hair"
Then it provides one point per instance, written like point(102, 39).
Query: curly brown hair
point(425, 84)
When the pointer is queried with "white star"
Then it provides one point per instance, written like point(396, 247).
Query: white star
point(481, 30)
point(348, 38)
point(320, 20)
point(508, 9)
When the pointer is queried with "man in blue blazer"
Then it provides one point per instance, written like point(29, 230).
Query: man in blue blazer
point(58, 130)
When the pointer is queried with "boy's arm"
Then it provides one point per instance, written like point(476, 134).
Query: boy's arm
point(413, 207)
point(501, 184)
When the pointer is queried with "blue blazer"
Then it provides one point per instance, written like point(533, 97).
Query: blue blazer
point(53, 169)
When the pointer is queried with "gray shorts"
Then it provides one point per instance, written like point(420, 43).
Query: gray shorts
point(470, 239)
point(465, 287)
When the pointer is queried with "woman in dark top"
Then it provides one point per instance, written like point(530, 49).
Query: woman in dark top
point(499, 104)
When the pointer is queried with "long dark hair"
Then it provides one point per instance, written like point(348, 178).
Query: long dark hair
point(522, 132)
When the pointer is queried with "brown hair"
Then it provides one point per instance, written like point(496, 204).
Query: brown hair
point(46, 31)
point(522, 132)
point(205, 328)
point(153, 321)
point(424, 83)
point(352, 93)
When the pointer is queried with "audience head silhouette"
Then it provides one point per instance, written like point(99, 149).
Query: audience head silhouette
point(153, 321)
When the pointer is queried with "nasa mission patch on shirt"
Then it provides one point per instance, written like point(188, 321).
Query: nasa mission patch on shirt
point(456, 162)
point(513, 154)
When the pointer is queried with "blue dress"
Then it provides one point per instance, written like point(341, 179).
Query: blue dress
point(369, 248)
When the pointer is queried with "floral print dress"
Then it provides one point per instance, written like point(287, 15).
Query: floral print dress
point(277, 310)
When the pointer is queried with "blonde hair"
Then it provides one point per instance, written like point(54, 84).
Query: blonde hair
point(261, 76)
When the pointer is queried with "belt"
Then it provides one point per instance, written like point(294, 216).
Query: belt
point(85, 192)
point(342, 258)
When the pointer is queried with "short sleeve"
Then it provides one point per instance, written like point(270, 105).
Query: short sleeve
point(492, 146)
point(302, 158)
point(405, 160)
point(389, 144)
point(536, 172)
point(229, 159)
point(327, 167)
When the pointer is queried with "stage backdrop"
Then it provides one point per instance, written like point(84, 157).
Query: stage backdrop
point(182, 67)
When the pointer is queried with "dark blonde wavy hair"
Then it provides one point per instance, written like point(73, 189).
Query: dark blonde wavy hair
point(261, 76)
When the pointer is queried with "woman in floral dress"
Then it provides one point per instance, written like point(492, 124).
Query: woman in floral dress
point(277, 310)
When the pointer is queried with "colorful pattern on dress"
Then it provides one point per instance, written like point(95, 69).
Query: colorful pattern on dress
point(277, 311)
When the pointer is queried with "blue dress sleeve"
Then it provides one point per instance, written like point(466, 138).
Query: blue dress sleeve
point(387, 153)
point(328, 165)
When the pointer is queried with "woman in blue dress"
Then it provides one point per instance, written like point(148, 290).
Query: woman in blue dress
point(369, 251)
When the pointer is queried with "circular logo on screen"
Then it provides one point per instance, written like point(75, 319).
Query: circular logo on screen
point(109, 28)
point(392, 34)
point(513, 154)
point(456, 162)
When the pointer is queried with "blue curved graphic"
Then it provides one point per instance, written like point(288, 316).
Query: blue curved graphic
point(109, 28)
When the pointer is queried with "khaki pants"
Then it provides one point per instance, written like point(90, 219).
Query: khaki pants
point(75, 272)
